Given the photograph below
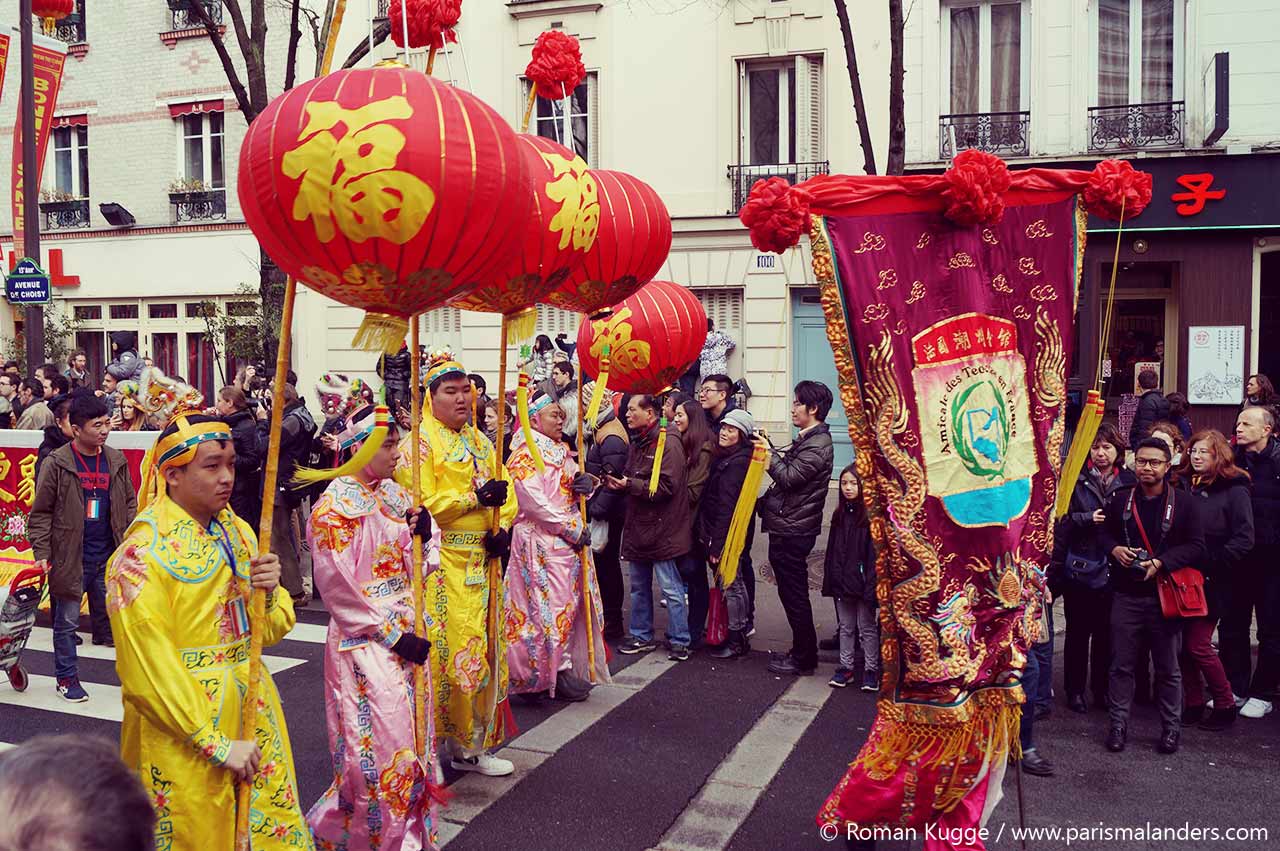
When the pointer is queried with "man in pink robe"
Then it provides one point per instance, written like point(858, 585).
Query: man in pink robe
point(549, 645)
point(384, 788)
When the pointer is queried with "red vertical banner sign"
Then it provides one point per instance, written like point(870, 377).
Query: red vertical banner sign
point(4, 58)
point(48, 79)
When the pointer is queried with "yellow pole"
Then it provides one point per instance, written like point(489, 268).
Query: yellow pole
point(415, 580)
point(528, 107)
point(495, 564)
point(339, 10)
point(584, 554)
point(258, 600)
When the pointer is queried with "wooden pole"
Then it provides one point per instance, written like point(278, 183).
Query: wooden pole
point(584, 554)
point(339, 9)
point(258, 600)
point(528, 107)
point(415, 579)
point(495, 564)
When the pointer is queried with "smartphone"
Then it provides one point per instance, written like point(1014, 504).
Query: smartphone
point(612, 471)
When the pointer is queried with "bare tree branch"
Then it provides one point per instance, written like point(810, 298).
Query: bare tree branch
point(381, 32)
point(855, 83)
point(897, 109)
point(291, 58)
point(228, 66)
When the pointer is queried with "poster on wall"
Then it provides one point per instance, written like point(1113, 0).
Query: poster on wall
point(1215, 364)
point(1146, 366)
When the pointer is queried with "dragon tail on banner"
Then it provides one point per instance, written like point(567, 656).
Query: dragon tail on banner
point(949, 303)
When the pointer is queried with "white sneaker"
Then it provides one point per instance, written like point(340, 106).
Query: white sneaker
point(486, 764)
point(1240, 701)
point(1256, 708)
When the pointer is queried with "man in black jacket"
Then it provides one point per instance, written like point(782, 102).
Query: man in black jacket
point(1152, 407)
point(792, 512)
point(1151, 529)
point(1256, 582)
point(297, 430)
point(246, 493)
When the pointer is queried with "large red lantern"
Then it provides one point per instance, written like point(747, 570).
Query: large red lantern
point(652, 338)
point(52, 11)
point(385, 190)
point(633, 241)
point(559, 232)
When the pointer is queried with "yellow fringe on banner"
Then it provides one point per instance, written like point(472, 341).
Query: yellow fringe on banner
point(526, 427)
point(657, 456)
point(740, 523)
point(597, 393)
point(370, 447)
point(992, 733)
point(1081, 443)
point(380, 332)
point(521, 324)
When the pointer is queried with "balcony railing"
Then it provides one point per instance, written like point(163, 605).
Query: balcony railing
point(1133, 126)
point(1003, 133)
point(382, 10)
point(186, 18)
point(198, 206)
point(743, 177)
point(64, 215)
point(71, 28)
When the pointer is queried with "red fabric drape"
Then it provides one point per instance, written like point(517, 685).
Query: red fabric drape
point(850, 195)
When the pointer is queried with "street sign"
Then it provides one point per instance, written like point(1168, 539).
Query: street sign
point(27, 284)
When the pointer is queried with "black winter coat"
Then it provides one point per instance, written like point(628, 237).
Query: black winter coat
point(246, 492)
point(297, 431)
point(1182, 547)
point(1152, 408)
point(1076, 532)
point(1226, 513)
point(720, 497)
point(609, 449)
point(801, 475)
point(53, 439)
point(1264, 469)
point(850, 567)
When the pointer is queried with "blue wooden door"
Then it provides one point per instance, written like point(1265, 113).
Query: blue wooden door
point(811, 359)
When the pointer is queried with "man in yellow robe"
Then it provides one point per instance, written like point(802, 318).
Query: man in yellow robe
point(462, 483)
point(178, 592)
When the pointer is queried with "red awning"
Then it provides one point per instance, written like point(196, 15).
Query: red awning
point(71, 121)
point(195, 107)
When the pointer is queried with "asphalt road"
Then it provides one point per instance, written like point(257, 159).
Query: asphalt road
point(709, 754)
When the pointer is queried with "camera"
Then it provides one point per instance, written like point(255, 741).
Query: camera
point(1140, 556)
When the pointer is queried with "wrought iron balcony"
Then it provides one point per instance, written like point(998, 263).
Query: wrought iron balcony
point(1004, 133)
point(186, 18)
point(743, 177)
point(63, 215)
point(71, 28)
point(1134, 126)
point(199, 206)
point(383, 9)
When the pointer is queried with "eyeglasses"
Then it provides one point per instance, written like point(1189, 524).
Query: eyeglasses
point(1150, 462)
point(707, 391)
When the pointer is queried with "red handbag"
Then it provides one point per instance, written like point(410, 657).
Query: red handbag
point(1182, 593)
point(717, 619)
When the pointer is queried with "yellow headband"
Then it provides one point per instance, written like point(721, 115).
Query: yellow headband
point(179, 448)
point(442, 369)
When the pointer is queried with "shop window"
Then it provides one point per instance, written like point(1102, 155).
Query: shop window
point(123, 311)
point(162, 311)
point(86, 312)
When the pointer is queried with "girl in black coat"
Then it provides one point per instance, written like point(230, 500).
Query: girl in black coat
point(849, 576)
point(1079, 571)
point(1226, 513)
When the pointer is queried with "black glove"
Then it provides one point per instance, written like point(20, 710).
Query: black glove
point(583, 484)
point(492, 493)
point(421, 529)
point(411, 648)
point(498, 545)
point(584, 540)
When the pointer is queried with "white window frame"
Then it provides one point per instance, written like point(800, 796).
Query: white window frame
point(1135, 51)
point(984, 53)
point(591, 115)
point(206, 136)
point(797, 66)
point(79, 153)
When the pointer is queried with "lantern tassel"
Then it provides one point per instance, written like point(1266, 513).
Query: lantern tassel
point(597, 393)
point(380, 332)
point(526, 427)
point(358, 460)
point(657, 456)
point(740, 521)
point(522, 323)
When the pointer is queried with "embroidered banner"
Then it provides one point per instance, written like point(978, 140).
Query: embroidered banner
point(952, 344)
point(49, 56)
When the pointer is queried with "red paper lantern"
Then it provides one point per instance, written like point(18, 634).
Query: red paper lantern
point(431, 22)
point(52, 11)
point(632, 244)
point(653, 338)
point(385, 190)
point(558, 233)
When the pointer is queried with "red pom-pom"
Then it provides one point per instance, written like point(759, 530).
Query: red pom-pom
point(976, 183)
point(556, 67)
point(1116, 188)
point(431, 22)
point(776, 214)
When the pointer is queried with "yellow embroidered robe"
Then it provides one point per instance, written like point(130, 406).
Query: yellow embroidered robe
point(461, 623)
point(179, 616)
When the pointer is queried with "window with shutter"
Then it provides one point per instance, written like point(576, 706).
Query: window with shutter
point(724, 307)
point(780, 106)
point(809, 109)
point(553, 321)
point(442, 329)
point(548, 119)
